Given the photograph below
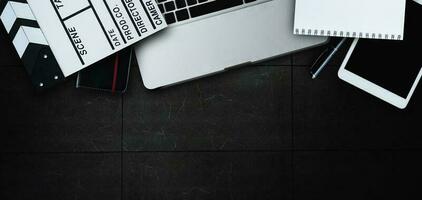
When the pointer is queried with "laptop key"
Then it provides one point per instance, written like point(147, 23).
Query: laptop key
point(213, 6)
point(170, 6)
point(191, 2)
point(170, 19)
point(161, 8)
point(182, 15)
point(180, 4)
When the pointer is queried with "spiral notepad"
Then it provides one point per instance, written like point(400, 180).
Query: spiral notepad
point(376, 19)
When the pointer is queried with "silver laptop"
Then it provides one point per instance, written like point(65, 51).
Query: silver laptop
point(210, 36)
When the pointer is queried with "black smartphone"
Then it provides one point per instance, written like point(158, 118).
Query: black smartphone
point(110, 74)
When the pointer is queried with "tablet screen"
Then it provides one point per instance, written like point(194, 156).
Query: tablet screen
point(392, 65)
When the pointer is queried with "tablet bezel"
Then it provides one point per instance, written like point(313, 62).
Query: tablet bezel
point(373, 88)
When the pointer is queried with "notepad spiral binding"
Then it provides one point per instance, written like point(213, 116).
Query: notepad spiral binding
point(335, 33)
point(30, 43)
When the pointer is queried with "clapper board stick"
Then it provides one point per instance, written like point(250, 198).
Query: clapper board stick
point(30, 43)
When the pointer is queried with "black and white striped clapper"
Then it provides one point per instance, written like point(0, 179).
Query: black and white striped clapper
point(30, 43)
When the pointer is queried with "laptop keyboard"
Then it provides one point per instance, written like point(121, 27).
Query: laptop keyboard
point(181, 10)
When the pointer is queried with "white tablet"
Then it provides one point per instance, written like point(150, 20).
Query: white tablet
point(389, 70)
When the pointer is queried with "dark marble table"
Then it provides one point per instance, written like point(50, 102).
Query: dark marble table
point(265, 131)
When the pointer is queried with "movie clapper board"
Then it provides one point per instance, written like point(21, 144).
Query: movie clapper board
point(82, 32)
point(79, 33)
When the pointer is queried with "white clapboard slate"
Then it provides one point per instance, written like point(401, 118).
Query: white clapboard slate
point(30, 43)
point(56, 38)
point(82, 32)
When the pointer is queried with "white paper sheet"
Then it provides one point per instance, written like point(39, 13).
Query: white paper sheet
point(378, 19)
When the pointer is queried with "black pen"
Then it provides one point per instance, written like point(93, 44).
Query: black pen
point(325, 58)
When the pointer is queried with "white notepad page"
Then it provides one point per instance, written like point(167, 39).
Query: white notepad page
point(378, 19)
